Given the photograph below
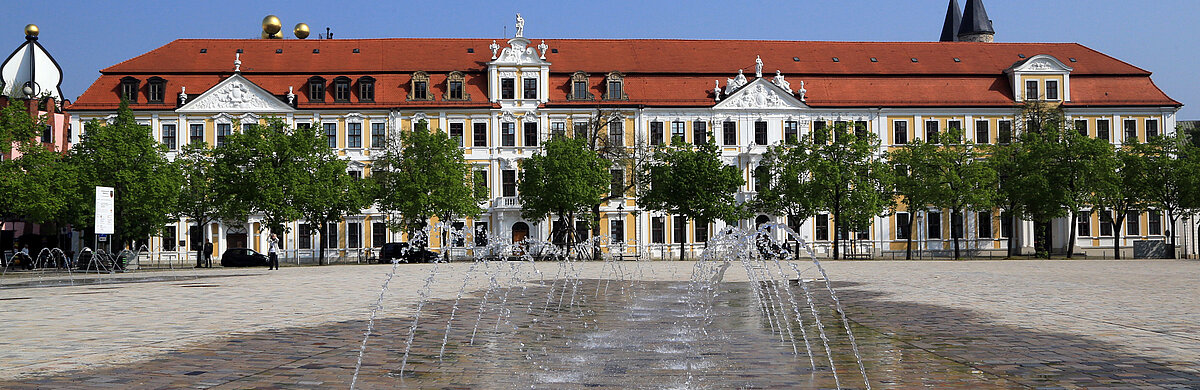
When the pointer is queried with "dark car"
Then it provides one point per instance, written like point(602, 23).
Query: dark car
point(406, 253)
point(243, 257)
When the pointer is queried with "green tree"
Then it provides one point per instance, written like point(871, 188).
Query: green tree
point(915, 169)
point(958, 179)
point(691, 180)
point(1123, 191)
point(605, 135)
point(786, 185)
point(123, 155)
point(852, 182)
point(1009, 160)
point(329, 194)
point(262, 168)
point(564, 181)
point(422, 174)
point(1170, 176)
point(202, 198)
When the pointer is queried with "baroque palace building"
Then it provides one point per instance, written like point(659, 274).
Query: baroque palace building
point(503, 98)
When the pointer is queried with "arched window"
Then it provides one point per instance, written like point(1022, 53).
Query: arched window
point(157, 89)
point(455, 83)
point(341, 89)
point(614, 84)
point(420, 86)
point(129, 89)
point(316, 89)
point(366, 89)
point(579, 87)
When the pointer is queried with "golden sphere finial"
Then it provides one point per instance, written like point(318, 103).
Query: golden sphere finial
point(301, 30)
point(271, 24)
point(31, 30)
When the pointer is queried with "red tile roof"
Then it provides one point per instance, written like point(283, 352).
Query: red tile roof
point(658, 72)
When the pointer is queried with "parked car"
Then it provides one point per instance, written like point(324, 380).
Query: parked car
point(406, 253)
point(243, 257)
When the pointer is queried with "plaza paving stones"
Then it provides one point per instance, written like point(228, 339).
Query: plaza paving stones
point(968, 325)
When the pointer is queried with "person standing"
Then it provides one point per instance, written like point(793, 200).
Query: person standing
point(208, 252)
point(272, 248)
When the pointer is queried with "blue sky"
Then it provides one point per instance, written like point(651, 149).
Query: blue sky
point(87, 36)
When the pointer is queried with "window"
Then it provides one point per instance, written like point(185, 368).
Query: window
point(508, 180)
point(900, 132)
point(531, 88)
point(1133, 223)
point(531, 134)
point(354, 135)
point(582, 230)
point(454, 86)
point(791, 132)
point(558, 129)
point(616, 132)
point(341, 89)
point(982, 133)
point(481, 184)
point(931, 132)
point(700, 132)
point(934, 224)
point(1102, 129)
point(330, 235)
point(223, 130)
point(729, 132)
point(1051, 89)
point(954, 124)
point(316, 89)
point(1004, 131)
point(839, 128)
point(617, 185)
point(658, 234)
point(983, 222)
point(508, 88)
point(305, 237)
point(195, 237)
point(580, 130)
point(579, 87)
point(902, 228)
point(956, 225)
point(760, 133)
point(822, 227)
point(480, 135)
point(129, 89)
point(168, 136)
point(378, 136)
point(1151, 128)
point(616, 230)
point(1083, 224)
point(680, 229)
point(246, 127)
point(1006, 225)
point(701, 230)
point(1131, 130)
point(860, 129)
point(170, 238)
point(761, 178)
point(481, 233)
point(508, 134)
point(1106, 223)
point(420, 86)
point(1031, 90)
point(677, 129)
point(456, 132)
point(1154, 222)
point(657, 132)
point(378, 234)
point(156, 91)
point(354, 234)
point(1081, 127)
point(366, 89)
point(331, 134)
point(196, 133)
point(615, 90)
point(355, 174)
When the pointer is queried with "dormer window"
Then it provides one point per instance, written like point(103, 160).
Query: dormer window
point(156, 91)
point(420, 86)
point(454, 86)
point(579, 87)
point(316, 89)
point(1041, 78)
point(615, 82)
point(129, 89)
point(341, 89)
point(366, 89)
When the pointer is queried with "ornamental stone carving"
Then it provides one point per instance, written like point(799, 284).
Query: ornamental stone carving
point(736, 82)
point(780, 82)
point(234, 96)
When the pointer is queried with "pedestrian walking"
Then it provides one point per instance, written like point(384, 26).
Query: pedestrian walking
point(208, 252)
point(272, 249)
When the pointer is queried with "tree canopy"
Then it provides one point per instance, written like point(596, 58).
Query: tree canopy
point(691, 180)
point(566, 179)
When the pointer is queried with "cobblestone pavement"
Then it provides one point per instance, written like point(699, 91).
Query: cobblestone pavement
point(941, 324)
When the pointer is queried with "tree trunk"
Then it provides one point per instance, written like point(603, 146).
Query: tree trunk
point(596, 232)
point(909, 238)
point(320, 247)
point(1071, 237)
point(837, 228)
point(957, 234)
point(1117, 237)
point(200, 248)
point(1173, 233)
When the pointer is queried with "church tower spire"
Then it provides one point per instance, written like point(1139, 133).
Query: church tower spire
point(953, 19)
point(976, 27)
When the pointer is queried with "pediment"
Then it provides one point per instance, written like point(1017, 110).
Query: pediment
point(520, 53)
point(760, 94)
point(236, 94)
point(1041, 63)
